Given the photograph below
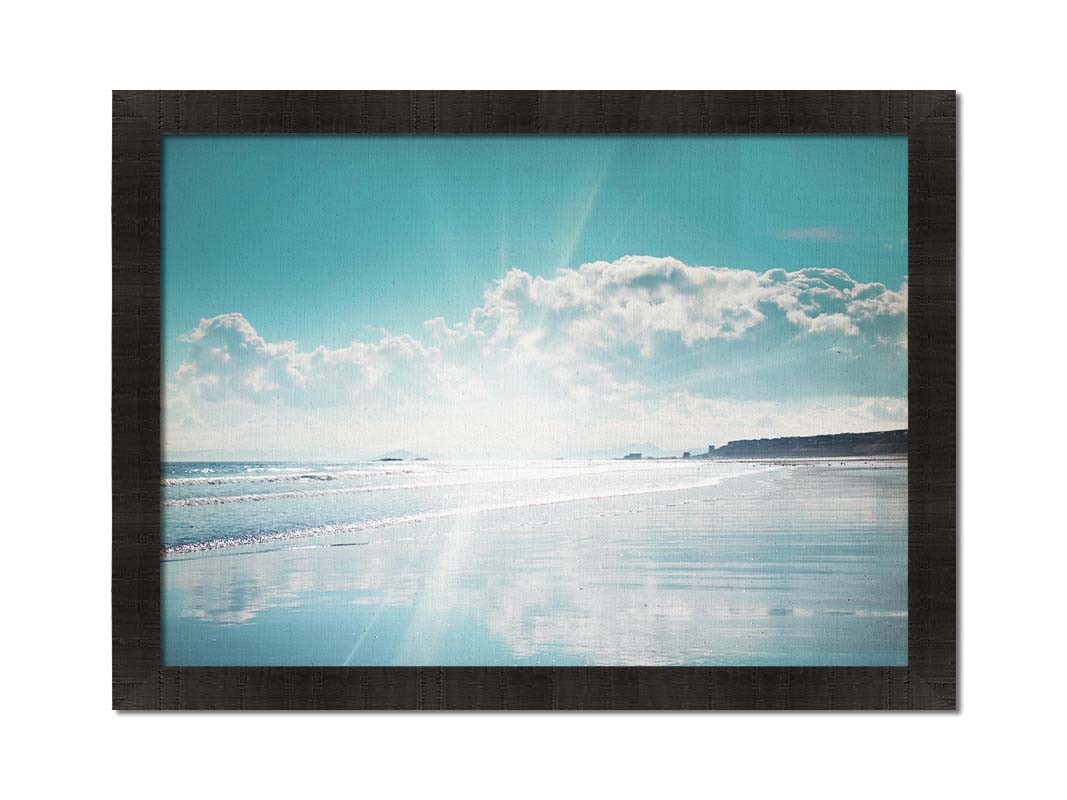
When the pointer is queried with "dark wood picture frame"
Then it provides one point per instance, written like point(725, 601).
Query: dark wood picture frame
point(927, 118)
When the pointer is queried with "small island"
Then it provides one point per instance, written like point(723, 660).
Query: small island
point(402, 455)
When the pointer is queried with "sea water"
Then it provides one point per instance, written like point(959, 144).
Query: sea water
point(694, 562)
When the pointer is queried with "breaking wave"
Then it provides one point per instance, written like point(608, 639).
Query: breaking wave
point(406, 519)
point(306, 476)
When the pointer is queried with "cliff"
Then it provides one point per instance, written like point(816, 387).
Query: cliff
point(831, 445)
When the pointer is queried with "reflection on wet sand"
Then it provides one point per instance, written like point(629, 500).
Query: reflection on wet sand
point(806, 565)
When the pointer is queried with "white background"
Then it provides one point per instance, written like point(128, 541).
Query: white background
point(58, 67)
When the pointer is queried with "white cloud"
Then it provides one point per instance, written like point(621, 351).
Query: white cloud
point(228, 359)
point(602, 305)
point(583, 358)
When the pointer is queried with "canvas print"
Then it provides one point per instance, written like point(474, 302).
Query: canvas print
point(548, 400)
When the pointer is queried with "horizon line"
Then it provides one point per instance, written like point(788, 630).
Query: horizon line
point(186, 455)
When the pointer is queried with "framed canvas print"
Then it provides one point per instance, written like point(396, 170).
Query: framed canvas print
point(550, 400)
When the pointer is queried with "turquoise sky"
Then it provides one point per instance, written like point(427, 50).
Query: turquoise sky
point(348, 295)
point(323, 238)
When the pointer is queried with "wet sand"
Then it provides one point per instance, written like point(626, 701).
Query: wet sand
point(802, 565)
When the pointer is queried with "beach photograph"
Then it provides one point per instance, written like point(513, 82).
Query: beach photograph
point(534, 401)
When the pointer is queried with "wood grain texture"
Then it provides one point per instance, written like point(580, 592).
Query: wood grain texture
point(140, 118)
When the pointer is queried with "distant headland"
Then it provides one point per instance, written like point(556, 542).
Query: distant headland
point(829, 445)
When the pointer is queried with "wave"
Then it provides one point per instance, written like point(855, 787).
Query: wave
point(186, 502)
point(213, 500)
point(305, 476)
point(539, 470)
point(383, 522)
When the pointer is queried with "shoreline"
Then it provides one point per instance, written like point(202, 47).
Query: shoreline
point(718, 575)
point(253, 541)
point(785, 461)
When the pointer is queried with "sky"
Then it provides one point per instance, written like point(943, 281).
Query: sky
point(529, 296)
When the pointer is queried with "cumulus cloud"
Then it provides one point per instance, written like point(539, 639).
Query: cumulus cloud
point(590, 349)
point(603, 305)
point(228, 359)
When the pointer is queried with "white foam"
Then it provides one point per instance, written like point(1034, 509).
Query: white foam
point(305, 475)
point(381, 522)
point(475, 477)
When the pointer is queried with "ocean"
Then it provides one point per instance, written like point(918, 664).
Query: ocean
point(611, 563)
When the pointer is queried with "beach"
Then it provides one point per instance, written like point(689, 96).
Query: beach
point(673, 562)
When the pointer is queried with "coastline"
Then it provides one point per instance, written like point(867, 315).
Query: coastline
point(812, 552)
